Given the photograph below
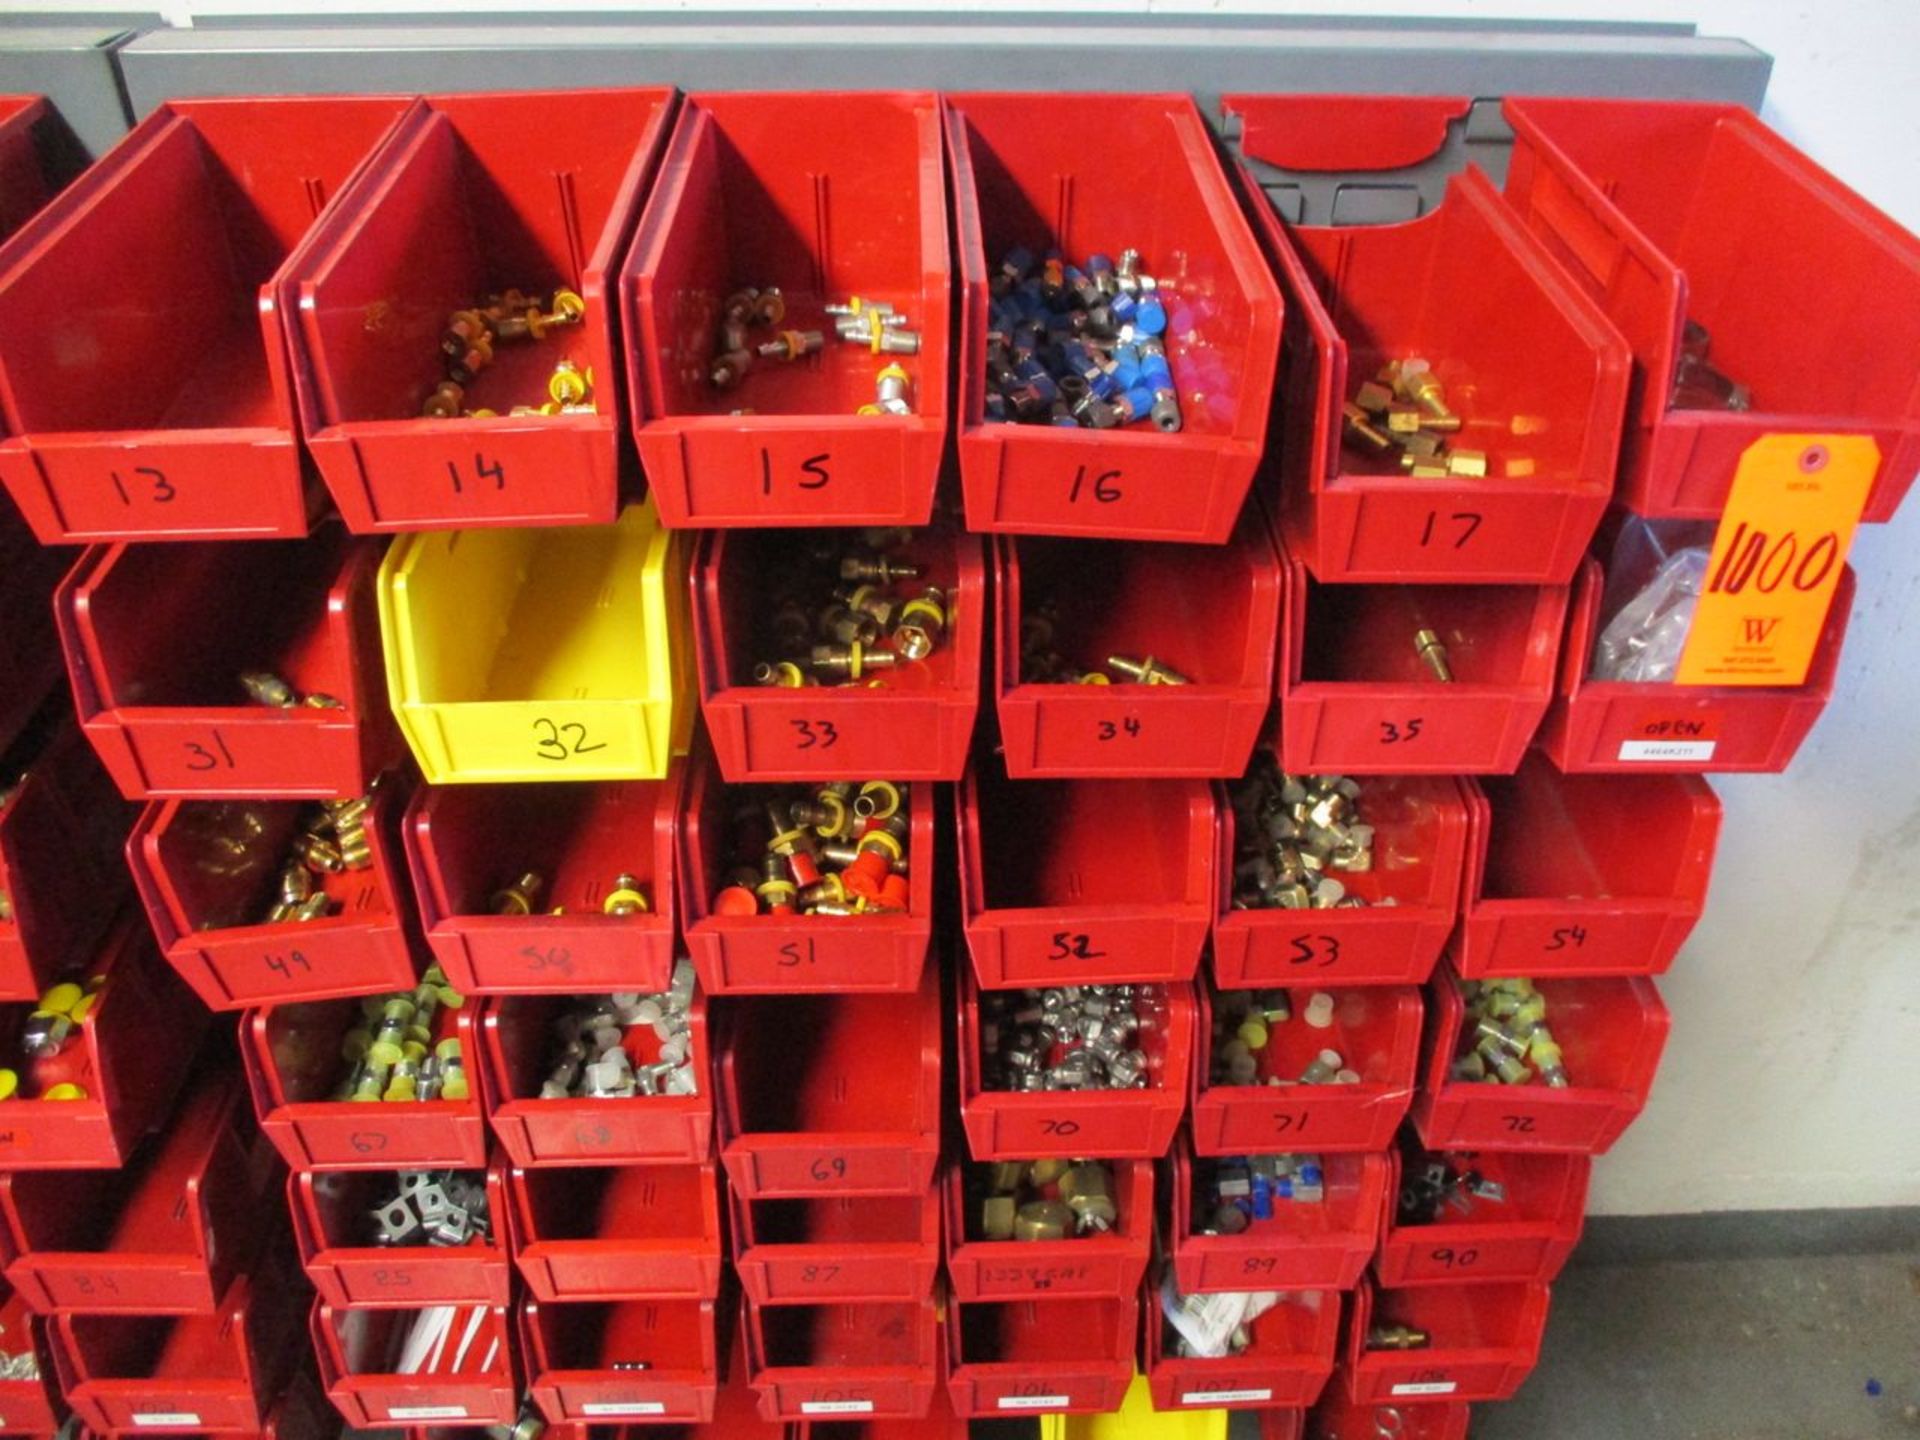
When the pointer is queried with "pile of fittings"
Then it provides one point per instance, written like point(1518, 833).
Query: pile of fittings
point(1041, 662)
point(524, 896)
point(1246, 1045)
point(1403, 412)
point(506, 318)
point(625, 1045)
point(438, 1208)
point(837, 848)
point(1291, 833)
point(847, 617)
point(263, 687)
point(1041, 1199)
point(1073, 1037)
point(1234, 1193)
point(1434, 1186)
point(331, 840)
point(872, 325)
point(1506, 1040)
point(406, 1046)
point(52, 1065)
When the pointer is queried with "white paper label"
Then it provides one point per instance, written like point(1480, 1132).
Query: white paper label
point(1224, 1397)
point(1666, 749)
point(427, 1412)
point(166, 1417)
point(1035, 1402)
point(1428, 1387)
point(836, 1407)
point(624, 1407)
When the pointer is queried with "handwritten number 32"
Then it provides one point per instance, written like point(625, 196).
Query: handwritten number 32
point(551, 746)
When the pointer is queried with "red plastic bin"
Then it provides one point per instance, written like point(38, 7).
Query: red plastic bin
point(332, 1233)
point(1583, 875)
point(1023, 174)
point(60, 826)
point(914, 722)
point(131, 1056)
point(162, 1235)
point(35, 1406)
point(1419, 847)
point(1213, 618)
point(1072, 1354)
point(1107, 1264)
point(1527, 1237)
point(837, 1247)
point(146, 377)
point(1287, 1363)
point(466, 843)
point(1485, 1341)
point(156, 640)
point(939, 1423)
point(292, 1059)
point(474, 196)
point(1619, 726)
point(38, 157)
point(1376, 1031)
point(516, 1035)
point(1094, 1124)
point(184, 1374)
point(1611, 1031)
point(1530, 363)
point(1672, 211)
point(827, 196)
point(572, 1352)
point(207, 871)
point(793, 954)
point(879, 1360)
point(626, 1232)
point(831, 1094)
point(1070, 882)
point(1322, 1245)
point(1338, 1417)
point(1356, 697)
point(352, 1348)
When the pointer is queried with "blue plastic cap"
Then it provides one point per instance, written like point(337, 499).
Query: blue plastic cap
point(1139, 401)
point(1098, 264)
point(1151, 317)
point(1155, 372)
point(1126, 373)
point(1122, 307)
point(1103, 384)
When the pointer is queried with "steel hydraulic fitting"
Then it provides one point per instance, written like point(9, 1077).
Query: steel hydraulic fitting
point(792, 345)
point(1506, 1039)
point(873, 610)
point(438, 1208)
point(1431, 1183)
point(626, 1045)
point(520, 897)
point(1074, 1037)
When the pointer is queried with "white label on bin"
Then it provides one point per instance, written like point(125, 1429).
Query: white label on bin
point(427, 1412)
point(836, 1407)
point(1224, 1397)
point(1667, 749)
point(624, 1407)
point(165, 1417)
point(1035, 1402)
point(1428, 1387)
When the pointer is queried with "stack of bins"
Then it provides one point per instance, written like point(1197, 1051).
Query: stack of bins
point(1087, 844)
point(828, 1024)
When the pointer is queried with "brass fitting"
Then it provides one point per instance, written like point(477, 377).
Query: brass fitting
point(729, 368)
point(1414, 380)
point(850, 661)
point(922, 623)
point(625, 898)
point(263, 687)
point(783, 674)
point(1433, 653)
point(519, 897)
point(792, 345)
point(569, 384)
point(1397, 1337)
point(1147, 672)
point(1042, 1220)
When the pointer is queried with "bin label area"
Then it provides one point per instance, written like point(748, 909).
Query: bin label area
point(1427, 1387)
point(1034, 1402)
point(624, 1407)
point(1673, 734)
point(427, 1412)
point(836, 1407)
point(165, 1417)
point(1777, 558)
point(1226, 1397)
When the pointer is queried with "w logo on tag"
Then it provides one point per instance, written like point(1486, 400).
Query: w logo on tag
point(1758, 628)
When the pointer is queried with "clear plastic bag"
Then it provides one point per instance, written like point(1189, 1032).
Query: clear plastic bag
point(1654, 581)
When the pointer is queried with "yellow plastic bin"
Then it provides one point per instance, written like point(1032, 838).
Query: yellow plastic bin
point(1136, 1419)
point(545, 654)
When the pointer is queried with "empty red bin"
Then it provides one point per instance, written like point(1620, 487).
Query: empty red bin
point(1338, 1417)
point(334, 1229)
point(60, 825)
point(208, 873)
point(29, 647)
point(1583, 874)
point(789, 954)
point(617, 1233)
point(130, 1056)
point(1357, 696)
point(656, 1360)
point(1306, 1245)
point(1093, 1124)
point(1619, 726)
point(831, 1094)
point(1019, 1356)
point(163, 1234)
point(1375, 1031)
point(359, 1352)
point(185, 1374)
point(517, 1036)
point(146, 377)
point(1106, 1263)
point(1287, 1361)
point(1669, 212)
point(1023, 176)
point(1526, 1234)
point(1069, 882)
point(1529, 363)
point(157, 640)
point(468, 843)
point(294, 1066)
point(912, 721)
point(880, 1360)
point(1483, 1341)
point(27, 1406)
point(837, 1247)
point(38, 156)
point(1063, 607)
point(470, 200)
point(1610, 1030)
point(1419, 845)
point(830, 198)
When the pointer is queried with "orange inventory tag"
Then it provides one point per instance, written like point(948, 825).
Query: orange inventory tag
point(1777, 556)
